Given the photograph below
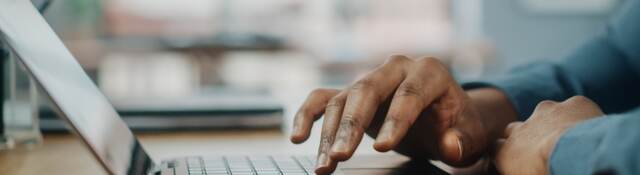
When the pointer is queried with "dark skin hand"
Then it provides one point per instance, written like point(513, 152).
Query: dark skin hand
point(531, 142)
point(412, 106)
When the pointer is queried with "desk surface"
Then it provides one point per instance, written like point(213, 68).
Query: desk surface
point(63, 152)
point(66, 154)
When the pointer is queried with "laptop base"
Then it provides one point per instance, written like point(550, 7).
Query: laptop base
point(294, 165)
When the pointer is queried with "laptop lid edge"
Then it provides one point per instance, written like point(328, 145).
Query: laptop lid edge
point(12, 41)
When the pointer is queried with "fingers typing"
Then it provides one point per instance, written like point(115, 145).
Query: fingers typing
point(333, 113)
point(310, 110)
point(362, 102)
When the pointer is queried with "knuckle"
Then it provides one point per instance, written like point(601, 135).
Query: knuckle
point(545, 104)
point(397, 59)
point(319, 91)
point(363, 84)
point(578, 99)
point(513, 127)
point(322, 93)
point(335, 103)
point(429, 61)
point(327, 139)
point(585, 104)
point(410, 89)
point(350, 122)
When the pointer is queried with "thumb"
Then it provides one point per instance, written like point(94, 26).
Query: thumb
point(463, 144)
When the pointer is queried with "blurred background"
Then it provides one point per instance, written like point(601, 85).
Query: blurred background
point(231, 58)
point(236, 71)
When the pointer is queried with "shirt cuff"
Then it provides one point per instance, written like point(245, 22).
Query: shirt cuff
point(605, 145)
point(574, 148)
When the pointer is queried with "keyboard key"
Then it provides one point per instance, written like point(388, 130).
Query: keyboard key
point(271, 173)
point(255, 165)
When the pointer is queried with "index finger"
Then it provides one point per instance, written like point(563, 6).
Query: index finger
point(362, 102)
point(310, 110)
point(333, 112)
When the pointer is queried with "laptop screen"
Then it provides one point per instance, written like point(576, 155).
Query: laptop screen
point(74, 95)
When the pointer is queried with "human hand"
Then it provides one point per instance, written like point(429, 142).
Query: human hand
point(529, 144)
point(413, 106)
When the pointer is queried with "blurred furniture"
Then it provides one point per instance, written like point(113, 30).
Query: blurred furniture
point(4, 55)
point(197, 112)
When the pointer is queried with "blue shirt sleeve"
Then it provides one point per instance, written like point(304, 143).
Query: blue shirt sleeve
point(605, 145)
point(605, 69)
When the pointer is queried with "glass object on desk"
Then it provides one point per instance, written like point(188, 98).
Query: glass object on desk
point(5, 142)
point(20, 105)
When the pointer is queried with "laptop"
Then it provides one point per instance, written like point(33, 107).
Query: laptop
point(82, 105)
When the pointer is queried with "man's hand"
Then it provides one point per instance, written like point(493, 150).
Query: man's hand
point(528, 145)
point(412, 106)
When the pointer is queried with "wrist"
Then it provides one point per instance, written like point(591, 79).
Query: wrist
point(549, 146)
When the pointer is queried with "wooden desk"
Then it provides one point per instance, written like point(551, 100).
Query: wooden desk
point(65, 154)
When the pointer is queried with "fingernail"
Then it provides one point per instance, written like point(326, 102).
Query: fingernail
point(460, 148)
point(322, 161)
point(452, 146)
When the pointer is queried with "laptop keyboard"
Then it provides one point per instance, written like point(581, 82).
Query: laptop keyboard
point(251, 165)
